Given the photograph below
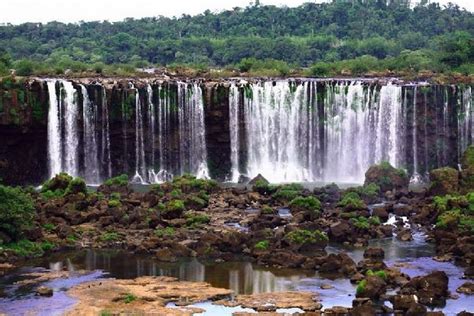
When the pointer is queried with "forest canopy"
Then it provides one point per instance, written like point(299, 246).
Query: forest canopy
point(361, 35)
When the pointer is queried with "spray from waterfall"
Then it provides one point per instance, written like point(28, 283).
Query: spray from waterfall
point(90, 130)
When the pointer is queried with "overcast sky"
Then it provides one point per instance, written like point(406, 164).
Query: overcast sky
point(19, 11)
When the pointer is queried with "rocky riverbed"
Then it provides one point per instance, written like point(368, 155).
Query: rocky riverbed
point(377, 248)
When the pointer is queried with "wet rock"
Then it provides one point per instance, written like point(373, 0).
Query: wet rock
point(340, 231)
point(387, 230)
point(64, 231)
point(431, 290)
point(402, 209)
point(467, 173)
point(328, 194)
point(44, 291)
point(374, 253)
point(381, 212)
point(364, 310)
point(416, 309)
point(165, 255)
point(444, 181)
point(336, 311)
point(338, 263)
point(373, 287)
point(465, 313)
point(387, 177)
point(405, 235)
point(402, 302)
point(258, 178)
point(466, 288)
point(283, 258)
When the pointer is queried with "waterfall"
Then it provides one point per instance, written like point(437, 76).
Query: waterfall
point(105, 140)
point(466, 119)
point(91, 156)
point(140, 166)
point(54, 131)
point(71, 112)
point(151, 133)
point(192, 132)
point(234, 101)
point(63, 135)
point(287, 130)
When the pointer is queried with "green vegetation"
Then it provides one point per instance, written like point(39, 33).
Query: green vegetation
point(114, 203)
point(263, 187)
point(195, 220)
point(331, 38)
point(288, 192)
point(49, 227)
point(351, 201)
point(175, 206)
point(129, 298)
point(121, 180)
point(176, 193)
point(165, 232)
point(309, 203)
point(262, 245)
point(361, 287)
point(26, 248)
point(455, 212)
point(381, 274)
point(17, 211)
point(267, 210)
point(189, 183)
point(304, 236)
point(361, 222)
point(110, 236)
point(369, 191)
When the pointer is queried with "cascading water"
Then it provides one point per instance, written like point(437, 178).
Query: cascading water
point(54, 131)
point(192, 149)
point(140, 165)
point(70, 108)
point(105, 141)
point(91, 155)
point(289, 131)
point(234, 131)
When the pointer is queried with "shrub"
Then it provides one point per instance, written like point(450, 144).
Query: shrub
point(288, 192)
point(121, 180)
point(59, 182)
point(381, 274)
point(17, 211)
point(24, 67)
point(263, 187)
point(115, 196)
point(49, 227)
point(351, 201)
point(76, 185)
point(114, 203)
point(189, 183)
point(303, 236)
point(129, 298)
point(267, 210)
point(309, 203)
point(361, 287)
point(374, 220)
point(262, 245)
point(175, 205)
point(195, 220)
point(176, 193)
point(361, 222)
point(27, 248)
point(165, 232)
point(110, 236)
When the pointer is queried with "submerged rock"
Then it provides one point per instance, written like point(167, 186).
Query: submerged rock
point(431, 289)
point(44, 291)
point(466, 288)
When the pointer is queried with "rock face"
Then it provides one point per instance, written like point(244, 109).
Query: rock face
point(444, 181)
point(387, 177)
point(431, 290)
point(467, 173)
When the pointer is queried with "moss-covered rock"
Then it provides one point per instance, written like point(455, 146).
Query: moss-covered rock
point(466, 183)
point(444, 181)
point(387, 177)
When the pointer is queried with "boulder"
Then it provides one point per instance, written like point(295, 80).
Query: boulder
point(431, 289)
point(340, 231)
point(405, 235)
point(402, 302)
point(259, 178)
point(374, 254)
point(166, 255)
point(372, 287)
point(444, 181)
point(466, 288)
point(387, 177)
point(416, 309)
point(44, 291)
point(380, 212)
point(402, 209)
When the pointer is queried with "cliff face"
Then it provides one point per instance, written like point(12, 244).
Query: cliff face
point(153, 129)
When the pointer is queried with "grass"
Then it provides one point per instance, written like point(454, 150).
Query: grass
point(109, 236)
point(121, 180)
point(262, 245)
point(129, 298)
point(165, 232)
point(304, 236)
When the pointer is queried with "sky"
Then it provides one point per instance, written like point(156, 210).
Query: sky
point(20, 11)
